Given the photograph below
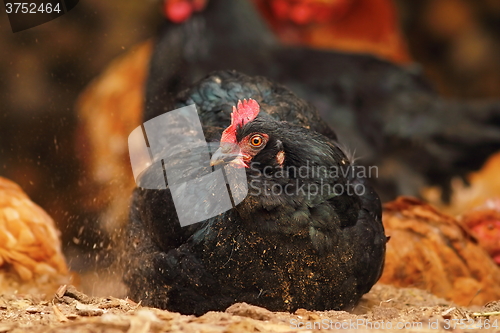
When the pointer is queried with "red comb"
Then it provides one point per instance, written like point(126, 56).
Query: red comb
point(179, 11)
point(244, 112)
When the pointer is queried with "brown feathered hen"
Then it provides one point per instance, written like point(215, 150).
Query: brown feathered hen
point(483, 186)
point(360, 26)
point(108, 110)
point(477, 204)
point(433, 251)
point(31, 260)
point(484, 223)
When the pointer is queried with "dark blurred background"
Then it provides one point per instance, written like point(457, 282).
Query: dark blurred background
point(457, 42)
point(43, 69)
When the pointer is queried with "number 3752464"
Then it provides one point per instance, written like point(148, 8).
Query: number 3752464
point(31, 8)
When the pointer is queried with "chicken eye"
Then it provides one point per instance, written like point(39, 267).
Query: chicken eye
point(256, 140)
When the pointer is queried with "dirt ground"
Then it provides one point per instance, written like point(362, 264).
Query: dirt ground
point(385, 308)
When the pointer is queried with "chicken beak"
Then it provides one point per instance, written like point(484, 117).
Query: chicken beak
point(226, 154)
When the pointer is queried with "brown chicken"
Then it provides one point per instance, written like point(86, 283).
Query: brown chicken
point(361, 26)
point(109, 109)
point(31, 260)
point(433, 251)
point(477, 205)
point(483, 185)
point(484, 223)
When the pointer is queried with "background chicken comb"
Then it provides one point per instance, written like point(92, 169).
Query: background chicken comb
point(244, 112)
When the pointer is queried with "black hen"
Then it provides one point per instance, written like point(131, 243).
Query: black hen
point(389, 114)
point(308, 235)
